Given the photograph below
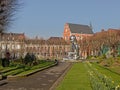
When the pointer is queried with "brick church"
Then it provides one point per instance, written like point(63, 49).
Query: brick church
point(80, 31)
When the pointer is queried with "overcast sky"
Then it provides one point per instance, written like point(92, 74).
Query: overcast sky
point(46, 18)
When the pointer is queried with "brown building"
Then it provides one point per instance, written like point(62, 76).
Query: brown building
point(54, 47)
point(13, 43)
point(18, 45)
point(80, 31)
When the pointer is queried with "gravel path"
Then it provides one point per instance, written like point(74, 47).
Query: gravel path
point(40, 81)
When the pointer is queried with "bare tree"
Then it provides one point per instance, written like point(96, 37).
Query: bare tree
point(7, 11)
point(100, 42)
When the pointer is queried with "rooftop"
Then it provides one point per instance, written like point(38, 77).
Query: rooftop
point(78, 28)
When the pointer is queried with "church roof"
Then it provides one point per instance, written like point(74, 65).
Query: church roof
point(78, 28)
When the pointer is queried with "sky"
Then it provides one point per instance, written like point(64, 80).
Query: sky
point(46, 18)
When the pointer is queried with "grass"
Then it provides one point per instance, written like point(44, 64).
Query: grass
point(35, 68)
point(115, 77)
point(111, 63)
point(115, 68)
point(6, 69)
point(13, 72)
point(11, 67)
point(20, 69)
point(76, 79)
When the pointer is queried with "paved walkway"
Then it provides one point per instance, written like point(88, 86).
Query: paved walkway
point(40, 81)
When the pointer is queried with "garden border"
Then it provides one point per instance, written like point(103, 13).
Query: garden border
point(57, 82)
point(10, 77)
point(107, 68)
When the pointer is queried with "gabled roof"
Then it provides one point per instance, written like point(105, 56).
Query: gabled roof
point(56, 40)
point(11, 36)
point(77, 28)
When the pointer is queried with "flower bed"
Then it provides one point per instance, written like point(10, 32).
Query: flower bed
point(23, 70)
point(99, 81)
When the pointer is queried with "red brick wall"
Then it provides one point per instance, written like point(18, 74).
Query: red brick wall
point(67, 33)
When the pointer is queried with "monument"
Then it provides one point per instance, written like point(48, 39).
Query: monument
point(74, 49)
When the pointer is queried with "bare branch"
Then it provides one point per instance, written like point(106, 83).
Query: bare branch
point(7, 11)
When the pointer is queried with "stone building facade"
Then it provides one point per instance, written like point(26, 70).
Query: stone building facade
point(13, 43)
point(18, 46)
point(54, 47)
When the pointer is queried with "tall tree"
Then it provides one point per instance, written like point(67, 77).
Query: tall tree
point(7, 11)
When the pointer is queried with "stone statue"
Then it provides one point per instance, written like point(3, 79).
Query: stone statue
point(74, 47)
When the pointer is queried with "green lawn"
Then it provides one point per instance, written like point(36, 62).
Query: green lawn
point(36, 68)
point(76, 79)
point(21, 69)
point(115, 77)
point(115, 69)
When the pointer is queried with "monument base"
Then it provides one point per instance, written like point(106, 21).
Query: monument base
point(71, 56)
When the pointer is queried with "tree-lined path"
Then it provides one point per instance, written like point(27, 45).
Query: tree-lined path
point(40, 81)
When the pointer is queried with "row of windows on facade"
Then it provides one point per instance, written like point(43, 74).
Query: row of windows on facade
point(3, 46)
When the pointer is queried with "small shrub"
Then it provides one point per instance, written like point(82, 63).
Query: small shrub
point(5, 62)
point(29, 59)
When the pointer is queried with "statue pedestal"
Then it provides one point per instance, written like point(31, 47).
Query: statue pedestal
point(71, 56)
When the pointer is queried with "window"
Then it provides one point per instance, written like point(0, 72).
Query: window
point(12, 46)
point(3, 46)
point(18, 46)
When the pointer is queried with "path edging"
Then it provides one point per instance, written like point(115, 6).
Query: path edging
point(10, 77)
point(57, 82)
